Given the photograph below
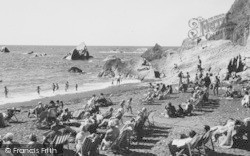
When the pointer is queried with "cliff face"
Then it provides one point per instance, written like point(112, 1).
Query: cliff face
point(236, 24)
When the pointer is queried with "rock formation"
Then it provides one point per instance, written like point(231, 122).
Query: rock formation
point(5, 50)
point(236, 23)
point(136, 67)
point(75, 70)
point(153, 53)
point(79, 53)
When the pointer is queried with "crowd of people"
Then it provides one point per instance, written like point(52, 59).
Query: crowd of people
point(105, 127)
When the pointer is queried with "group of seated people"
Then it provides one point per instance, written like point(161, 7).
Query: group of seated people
point(159, 91)
point(183, 110)
point(232, 93)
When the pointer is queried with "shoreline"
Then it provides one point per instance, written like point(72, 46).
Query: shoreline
point(75, 97)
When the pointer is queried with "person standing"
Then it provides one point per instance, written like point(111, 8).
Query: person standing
point(188, 78)
point(66, 86)
point(76, 87)
point(216, 85)
point(129, 107)
point(53, 87)
point(180, 75)
point(38, 90)
point(57, 86)
point(6, 91)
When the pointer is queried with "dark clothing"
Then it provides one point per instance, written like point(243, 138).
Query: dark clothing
point(207, 81)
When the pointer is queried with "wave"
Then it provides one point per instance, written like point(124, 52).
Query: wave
point(24, 97)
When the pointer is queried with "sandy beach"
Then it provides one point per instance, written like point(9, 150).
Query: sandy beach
point(164, 130)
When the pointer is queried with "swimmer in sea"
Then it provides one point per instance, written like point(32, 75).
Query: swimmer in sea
point(38, 90)
point(76, 87)
point(6, 91)
point(66, 86)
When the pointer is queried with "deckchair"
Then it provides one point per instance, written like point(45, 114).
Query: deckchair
point(199, 144)
point(12, 113)
point(86, 146)
point(122, 142)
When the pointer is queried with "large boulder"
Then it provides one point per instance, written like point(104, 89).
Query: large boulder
point(5, 50)
point(153, 53)
point(135, 68)
point(79, 53)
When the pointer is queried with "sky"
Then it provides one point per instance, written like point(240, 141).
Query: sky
point(102, 22)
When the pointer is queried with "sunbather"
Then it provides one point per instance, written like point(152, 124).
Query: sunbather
point(178, 144)
point(66, 115)
point(245, 101)
point(108, 114)
point(189, 108)
point(37, 110)
point(171, 111)
point(110, 136)
point(80, 137)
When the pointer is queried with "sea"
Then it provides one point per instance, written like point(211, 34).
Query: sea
point(22, 72)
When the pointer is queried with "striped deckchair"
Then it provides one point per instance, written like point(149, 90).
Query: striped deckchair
point(60, 139)
point(199, 144)
point(86, 146)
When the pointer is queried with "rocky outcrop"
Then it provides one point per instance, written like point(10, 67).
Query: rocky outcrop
point(79, 53)
point(4, 50)
point(188, 44)
point(134, 68)
point(236, 23)
point(75, 70)
point(153, 53)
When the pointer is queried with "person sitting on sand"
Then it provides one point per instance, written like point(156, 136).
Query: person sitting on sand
point(101, 100)
point(189, 108)
point(66, 115)
point(171, 111)
point(245, 101)
point(179, 144)
point(180, 111)
point(33, 141)
point(110, 136)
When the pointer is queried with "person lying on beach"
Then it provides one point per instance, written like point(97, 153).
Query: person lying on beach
point(245, 100)
point(178, 144)
point(171, 111)
point(110, 136)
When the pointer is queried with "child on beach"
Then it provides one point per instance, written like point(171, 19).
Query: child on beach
point(6, 91)
point(57, 86)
